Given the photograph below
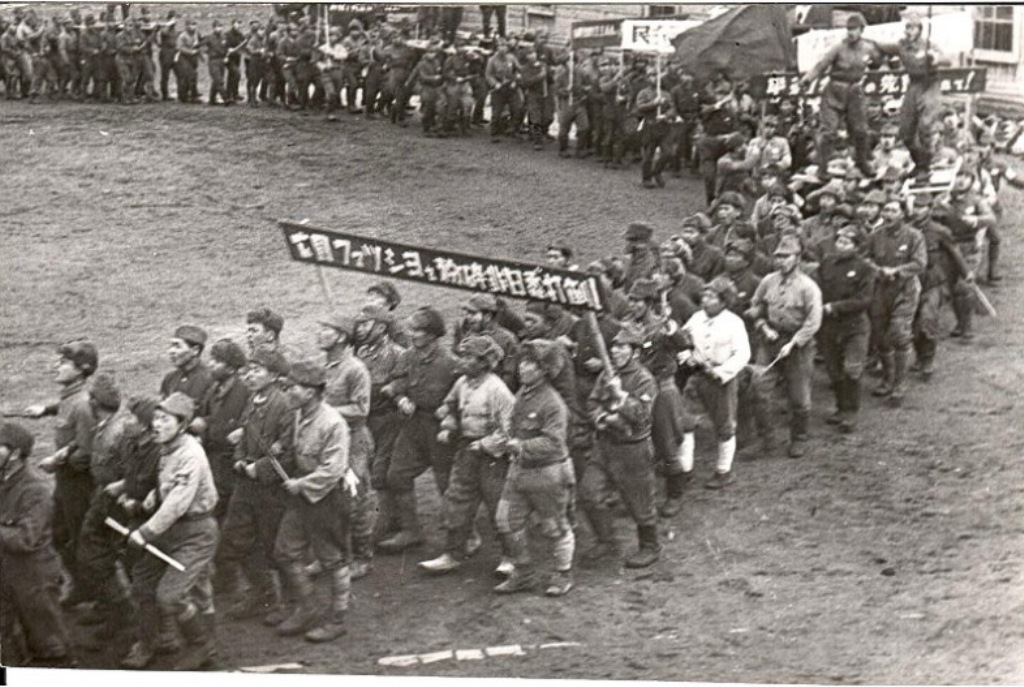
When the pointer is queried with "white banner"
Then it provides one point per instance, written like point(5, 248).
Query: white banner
point(653, 35)
point(951, 34)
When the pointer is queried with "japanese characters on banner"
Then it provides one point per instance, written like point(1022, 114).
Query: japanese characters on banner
point(875, 83)
point(653, 35)
point(951, 33)
point(599, 33)
point(441, 268)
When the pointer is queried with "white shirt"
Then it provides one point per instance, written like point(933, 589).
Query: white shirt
point(721, 341)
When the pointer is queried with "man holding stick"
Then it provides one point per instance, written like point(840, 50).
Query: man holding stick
point(184, 528)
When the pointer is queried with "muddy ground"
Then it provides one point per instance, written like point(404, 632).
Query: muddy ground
point(892, 556)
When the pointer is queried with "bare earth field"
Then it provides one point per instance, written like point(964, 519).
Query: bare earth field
point(892, 556)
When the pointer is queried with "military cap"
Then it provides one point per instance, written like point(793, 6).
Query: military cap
point(730, 198)
point(191, 334)
point(789, 245)
point(741, 246)
point(308, 373)
point(16, 438)
point(180, 405)
point(698, 221)
point(833, 188)
point(482, 347)
point(545, 353)
point(267, 317)
point(629, 334)
point(723, 287)
point(852, 232)
point(142, 407)
point(340, 323)
point(875, 196)
point(780, 191)
point(229, 353)
point(638, 231)
point(562, 247)
point(82, 353)
point(788, 211)
point(104, 391)
point(856, 21)
point(375, 313)
point(889, 129)
point(271, 359)
point(643, 289)
point(428, 320)
point(355, 24)
point(481, 302)
point(388, 291)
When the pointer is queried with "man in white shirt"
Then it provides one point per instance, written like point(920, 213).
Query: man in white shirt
point(720, 350)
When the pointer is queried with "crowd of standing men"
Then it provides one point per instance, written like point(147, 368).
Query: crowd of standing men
point(256, 472)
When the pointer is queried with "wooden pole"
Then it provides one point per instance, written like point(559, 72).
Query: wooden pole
point(602, 349)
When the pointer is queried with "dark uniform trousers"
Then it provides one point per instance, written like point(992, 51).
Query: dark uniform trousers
point(416, 451)
point(476, 477)
point(626, 468)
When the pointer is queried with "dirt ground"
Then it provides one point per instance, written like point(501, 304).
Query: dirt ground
point(891, 556)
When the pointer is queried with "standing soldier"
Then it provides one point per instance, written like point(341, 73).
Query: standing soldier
point(534, 78)
point(235, 41)
point(719, 351)
point(317, 513)
point(399, 59)
point(623, 461)
point(255, 51)
point(476, 416)
point(458, 91)
point(29, 566)
point(348, 391)
point(418, 387)
point(167, 49)
point(184, 528)
point(352, 70)
point(614, 101)
point(842, 101)
point(572, 90)
point(305, 69)
point(428, 73)
point(216, 56)
point(786, 311)
point(656, 142)
point(899, 253)
point(10, 52)
point(257, 500)
point(920, 109)
point(947, 271)
point(502, 73)
point(332, 73)
point(371, 61)
point(540, 479)
point(190, 375)
point(186, 63)
point(129, 48)
point(719, 117)
point(76, 424)
point(847, 284)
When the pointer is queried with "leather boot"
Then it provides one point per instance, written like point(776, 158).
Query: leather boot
point(797, 433)
point(851, 403)
point(386, 523)
point(603, 526)
point(198, 631)
point(993, 263)
point(901, 360)
point(167, 641)
point(888, 374)
point(333, 625)
point(963, 308)
point(674, 487)
point(410, 535)
point(649, 550)
point(303, 617)
point(258, 600)
point(926, 358)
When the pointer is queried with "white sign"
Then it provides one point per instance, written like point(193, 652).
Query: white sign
point(653, 35)
point(951, 33)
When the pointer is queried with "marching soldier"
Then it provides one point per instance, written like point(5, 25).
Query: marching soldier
point(786, 311)
point(847, 284)
point(167, 49)
point(623, 461)
point(191, 375)
point(186, 63)
point(428, 73)
point(502, 74)
point(75, 427)
point(29, 565)
point(216, 55)
point(353, 43)
point(480, 318)
point(263, 328)
point(899, 253)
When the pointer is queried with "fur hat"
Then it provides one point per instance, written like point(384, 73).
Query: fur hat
point(271, 359)
point(142, 407)
point(481, 302)
point(429, 320)
point(179, 405)
point(308, 373)
point(389, 291)
point(82, 353)
point(16, 438)
point(638, 231)
point(629, 334)
point(229, 353)
point(267, 317)
point(191, 334)
point(545, 353)
point(482, 347)
point(104, 391)
point(643, 290)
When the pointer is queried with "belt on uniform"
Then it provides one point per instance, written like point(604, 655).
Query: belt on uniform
point(192, 517)
point(543, 464)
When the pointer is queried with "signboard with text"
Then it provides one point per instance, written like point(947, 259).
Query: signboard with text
point(441, 268)
point(653, 35)
point(599, 33)
point(875, 83)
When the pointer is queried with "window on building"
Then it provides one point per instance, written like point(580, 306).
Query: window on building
point(995, 32)
point(659, 11)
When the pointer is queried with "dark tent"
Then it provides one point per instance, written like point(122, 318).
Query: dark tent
point(746, 40)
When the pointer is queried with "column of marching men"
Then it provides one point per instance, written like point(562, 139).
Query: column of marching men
point(270, 472)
